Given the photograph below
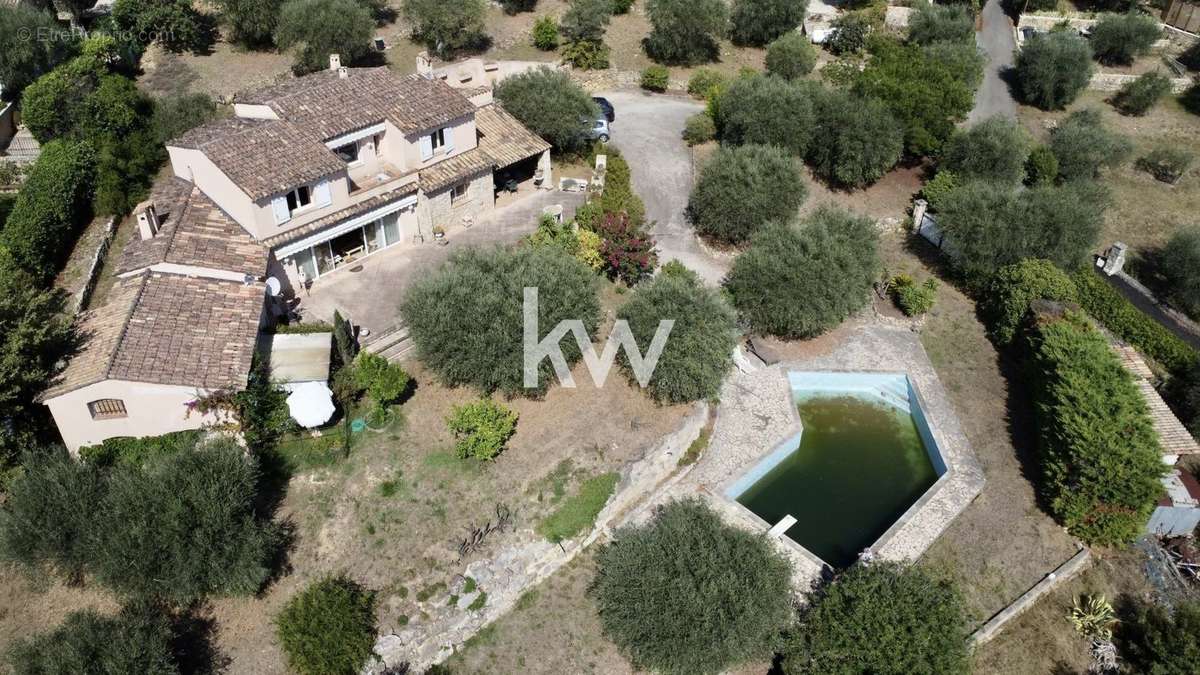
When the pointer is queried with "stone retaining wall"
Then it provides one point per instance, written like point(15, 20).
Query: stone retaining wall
point(508, 574)
point(1114, 82)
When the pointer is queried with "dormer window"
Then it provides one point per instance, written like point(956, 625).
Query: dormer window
point(296, 200)
point(440, 142)
point(348, 153)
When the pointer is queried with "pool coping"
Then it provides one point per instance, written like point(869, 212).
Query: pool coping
point(780, 451)
point(756, 414)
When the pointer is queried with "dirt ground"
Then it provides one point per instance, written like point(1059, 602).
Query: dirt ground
point(1145, 211)
point(392, 513)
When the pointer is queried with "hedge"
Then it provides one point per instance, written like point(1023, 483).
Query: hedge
point(52, 203)
point(1109, 307)
point(1099, 455)
point(1014, 288)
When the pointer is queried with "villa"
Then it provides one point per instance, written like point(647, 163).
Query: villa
point(307, 177)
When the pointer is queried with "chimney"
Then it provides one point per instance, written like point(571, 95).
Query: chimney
point(424, 66)
point(335, 62)
point(343, 73)
point(147, 219)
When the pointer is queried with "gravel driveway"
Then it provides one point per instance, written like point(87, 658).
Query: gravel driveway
point(647, 132)
point(997, 43)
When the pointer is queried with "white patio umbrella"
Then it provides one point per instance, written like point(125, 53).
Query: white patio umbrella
point(311, 404)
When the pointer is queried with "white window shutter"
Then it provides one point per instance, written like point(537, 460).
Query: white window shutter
point(426, 147)
point(321, 196)
point(448, 133)
point(280, 207)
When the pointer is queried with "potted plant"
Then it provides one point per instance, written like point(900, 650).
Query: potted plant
point(439, 234)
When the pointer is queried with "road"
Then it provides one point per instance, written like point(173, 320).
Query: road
point(648, 131)
point(996, 41)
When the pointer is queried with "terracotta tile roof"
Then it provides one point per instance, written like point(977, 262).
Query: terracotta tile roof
point(1172, 435)
point(327, 106)
point(504, 139)
point(454, 170)
point(338, 216)
point(262, 157)
point(196, 232)
point(101, 330)
point(169, 329)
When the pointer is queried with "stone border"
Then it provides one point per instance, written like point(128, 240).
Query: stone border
point(1064, 572)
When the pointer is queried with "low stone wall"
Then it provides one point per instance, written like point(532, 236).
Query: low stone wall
point(1114, 82)
point(508, 574)
point(93, 273)
point(1064, 572)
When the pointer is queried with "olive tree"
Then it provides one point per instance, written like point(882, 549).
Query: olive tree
point(550, 105)
point(686, 593)
point(767, 111)
point(698, 351)
point(1083, 145)
point(1052, 69)
point(1117, 39)
point(253, 21)
point(446, 28)
point(791, 56)
point(446, 313)
point(856, 139)
point(685, 32)
point(881, 618)
point(323, 27)
point(996, 149)
point(992, 226)
point(799, 279)
point(742, 188)
point(139, 639)
point(1181, 266)
point(184, 526)
point(941, 23)
point(757, 22)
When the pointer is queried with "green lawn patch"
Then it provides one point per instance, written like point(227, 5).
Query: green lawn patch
point(577, 513)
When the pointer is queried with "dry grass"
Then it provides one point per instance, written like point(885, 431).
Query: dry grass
point(1145, 211)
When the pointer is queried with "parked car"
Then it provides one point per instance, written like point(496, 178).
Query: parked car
point(599, 131)
point(606, 107)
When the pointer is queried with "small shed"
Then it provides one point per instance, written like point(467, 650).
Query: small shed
point(1178, 513)
point(300, 364)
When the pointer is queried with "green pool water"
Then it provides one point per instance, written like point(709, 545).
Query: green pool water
point(860, 465)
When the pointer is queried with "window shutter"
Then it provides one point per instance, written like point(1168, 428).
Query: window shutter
point(448, 133)
point(426, 147)
point(282, 214)
point(321, 196)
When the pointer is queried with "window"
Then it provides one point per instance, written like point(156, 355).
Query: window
point(458, 193)
point(348, 153)
point(107, 409)
point(299, 198)
point(439, 139)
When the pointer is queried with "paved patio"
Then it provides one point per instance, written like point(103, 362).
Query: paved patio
point(371, 297)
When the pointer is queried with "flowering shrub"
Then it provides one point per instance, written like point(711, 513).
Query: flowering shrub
point(628, 252)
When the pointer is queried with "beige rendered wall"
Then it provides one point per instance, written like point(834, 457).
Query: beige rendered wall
point(194, 166)
point(154, 409)
point(263, 224)
point(465, 138)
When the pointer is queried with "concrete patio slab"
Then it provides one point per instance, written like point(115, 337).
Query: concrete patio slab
point(371, 296)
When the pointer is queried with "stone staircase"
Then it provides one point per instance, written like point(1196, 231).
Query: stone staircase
point(394, 343)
